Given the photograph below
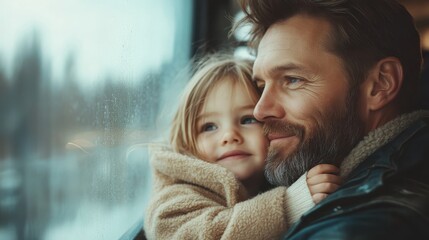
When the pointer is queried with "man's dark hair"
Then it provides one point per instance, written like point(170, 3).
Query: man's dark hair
point(363, 32)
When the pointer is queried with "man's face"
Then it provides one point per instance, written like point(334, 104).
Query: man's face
point(309, 114)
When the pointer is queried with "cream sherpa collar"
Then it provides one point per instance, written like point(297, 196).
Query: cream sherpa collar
point(377, 138)
point(192, 170)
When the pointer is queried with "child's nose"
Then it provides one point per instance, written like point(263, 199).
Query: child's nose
point(232, 136)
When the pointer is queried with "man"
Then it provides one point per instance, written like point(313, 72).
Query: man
point(339, 84)
point(425, 81)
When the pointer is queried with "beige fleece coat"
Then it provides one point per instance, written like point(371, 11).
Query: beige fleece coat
point(193, 199)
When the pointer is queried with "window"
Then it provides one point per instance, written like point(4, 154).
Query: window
point(83, 85)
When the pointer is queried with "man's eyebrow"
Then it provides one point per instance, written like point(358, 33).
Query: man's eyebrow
point(281, 68)
point(287, 67)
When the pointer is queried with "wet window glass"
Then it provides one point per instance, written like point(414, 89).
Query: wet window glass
point(84, 85)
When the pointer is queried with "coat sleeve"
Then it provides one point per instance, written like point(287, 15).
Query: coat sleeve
point(185, 211)
point(298, 200)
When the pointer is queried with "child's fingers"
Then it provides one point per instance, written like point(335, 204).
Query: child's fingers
point(318, 197)
point(323, 188)
point(324, 178)
point(323, 168)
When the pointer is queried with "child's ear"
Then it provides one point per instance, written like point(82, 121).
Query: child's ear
point(383, 83)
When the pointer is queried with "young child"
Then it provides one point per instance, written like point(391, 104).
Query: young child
point(211, 185)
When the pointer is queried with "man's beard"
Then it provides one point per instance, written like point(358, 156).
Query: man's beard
point(338, 131)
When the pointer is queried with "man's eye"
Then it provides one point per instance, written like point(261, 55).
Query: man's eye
point(260, 86)
point(249, 120)
point(293, 82)
point(208, 127)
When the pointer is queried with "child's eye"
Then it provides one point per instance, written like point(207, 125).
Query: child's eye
point(249, 120)
point(208, 127)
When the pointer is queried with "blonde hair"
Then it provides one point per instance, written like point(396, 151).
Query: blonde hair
point(210, 71)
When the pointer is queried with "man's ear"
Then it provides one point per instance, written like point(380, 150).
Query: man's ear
point(383, 83)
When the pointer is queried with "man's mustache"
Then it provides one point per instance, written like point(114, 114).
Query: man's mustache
point(282, 127)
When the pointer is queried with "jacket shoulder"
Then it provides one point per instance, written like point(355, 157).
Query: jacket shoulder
point(383, 221)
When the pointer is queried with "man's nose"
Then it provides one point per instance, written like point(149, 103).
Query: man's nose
point(231, 135)
point(268, 105)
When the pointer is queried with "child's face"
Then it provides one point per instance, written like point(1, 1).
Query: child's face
point(228, 134)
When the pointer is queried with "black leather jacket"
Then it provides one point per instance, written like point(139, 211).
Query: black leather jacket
point(385, 197)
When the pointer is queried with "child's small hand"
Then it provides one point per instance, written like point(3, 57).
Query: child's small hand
point(322, 180)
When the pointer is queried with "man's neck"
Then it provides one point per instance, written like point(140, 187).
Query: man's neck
point(379, 118)
point(254, 184)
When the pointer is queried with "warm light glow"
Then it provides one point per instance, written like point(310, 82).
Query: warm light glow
point(425, 39)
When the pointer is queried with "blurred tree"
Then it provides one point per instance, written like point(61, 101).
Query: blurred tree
point(25, 96)
point(6, 118)
point(72, 107)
